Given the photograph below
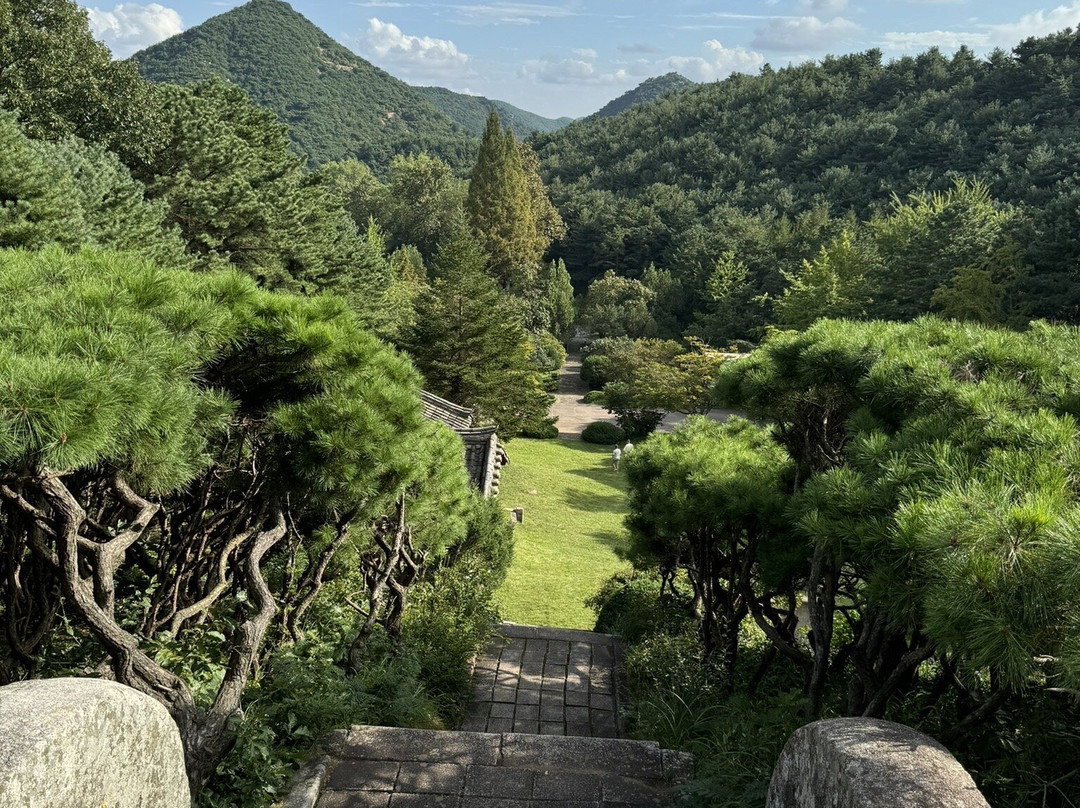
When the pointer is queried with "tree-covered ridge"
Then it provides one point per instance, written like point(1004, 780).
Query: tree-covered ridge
point(696, 174)
point(645, 93)
point(470, 112)
point(336, 104)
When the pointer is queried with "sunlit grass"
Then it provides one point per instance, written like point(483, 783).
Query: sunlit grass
point(573, 530)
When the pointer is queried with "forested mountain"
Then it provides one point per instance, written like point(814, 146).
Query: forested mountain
point(648, 91)
point(766, 170)
point(470, 112)
point(336, 104)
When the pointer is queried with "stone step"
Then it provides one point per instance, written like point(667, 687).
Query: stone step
point(396, 768)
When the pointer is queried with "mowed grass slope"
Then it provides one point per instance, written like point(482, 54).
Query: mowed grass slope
point(573, 530)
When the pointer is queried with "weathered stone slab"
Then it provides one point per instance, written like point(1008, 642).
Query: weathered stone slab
point(608, 755)
point(865, 763)
point(422, 745)
point(562, 634)
point(87, 742)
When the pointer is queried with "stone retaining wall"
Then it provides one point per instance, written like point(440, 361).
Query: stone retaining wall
point(88, 743)
point(865, 763)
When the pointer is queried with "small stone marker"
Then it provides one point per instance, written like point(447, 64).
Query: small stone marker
point(517, 515)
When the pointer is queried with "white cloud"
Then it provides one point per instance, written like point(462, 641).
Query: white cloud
point(586, 53)
point(130, 27)
point(637, 47)
point(511, 13)
point(1037, 23)
point(828, 6)
point(718, 62)
point(986, 37)
point(413, 56)
point(803, 34)
point(570, 71)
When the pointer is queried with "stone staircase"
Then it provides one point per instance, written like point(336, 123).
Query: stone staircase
point(399, 768)
point(541, 732)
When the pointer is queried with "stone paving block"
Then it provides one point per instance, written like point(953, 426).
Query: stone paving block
point(678, 766)
point(474, 724)
point(428, 745)
point(353, 799)
point(497, 781)
point(631, 791)
point(372, 775)
point(552, 728)
point(601, 701)
point(430, 778)
point(554, 684)
point(425, 801)
point(494, 802)
point(507, 680)
point(554, 785)
point(577, 698)
point(618, 757)
point(504, 694)
point(552, 712)
point(531, 726)
point(549, 697)
point(502, 710)
point(554, 671)
point(500, 725)
point(578, 728)
point(578, 715)
point(525, 696)
point(527, 712)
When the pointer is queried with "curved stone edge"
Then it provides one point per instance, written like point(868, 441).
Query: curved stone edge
point(88, 742)
point(307, 784)
point(867, 763)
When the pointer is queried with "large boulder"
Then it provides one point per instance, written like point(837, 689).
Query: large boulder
point(866, 763)
point(86, 743)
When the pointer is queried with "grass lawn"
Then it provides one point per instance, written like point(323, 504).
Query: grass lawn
point(568, 544)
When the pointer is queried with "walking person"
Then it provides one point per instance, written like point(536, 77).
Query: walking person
point(626, 449)
point(616, 453)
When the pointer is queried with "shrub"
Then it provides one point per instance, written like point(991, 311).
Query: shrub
point(603, 433)
point(544, 431)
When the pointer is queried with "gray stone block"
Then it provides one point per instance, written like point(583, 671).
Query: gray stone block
point(865, 763)
point(353, 799)
point(497, 781)
point(425, 801)
point(631, 791)
point(678, 766)
point(372, 775)
point(424, 745)
point(87, 742)
point(554, 785)
point(430, 778)
point(613, 756)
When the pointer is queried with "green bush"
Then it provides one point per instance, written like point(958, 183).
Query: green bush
point(544, 431)
point(595, 397)
point(603, 433)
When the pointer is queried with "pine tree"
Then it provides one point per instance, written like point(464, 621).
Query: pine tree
point(468, 343)
point(500, 211)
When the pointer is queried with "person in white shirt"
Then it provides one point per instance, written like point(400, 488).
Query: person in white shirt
point(615, 455)
point(626, 449)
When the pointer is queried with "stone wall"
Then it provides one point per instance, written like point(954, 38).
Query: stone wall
point(865, 763)
point(88, 743)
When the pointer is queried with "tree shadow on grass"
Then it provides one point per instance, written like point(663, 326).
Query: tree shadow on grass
point(602, 475)
point(594, 502)
point(613, 539)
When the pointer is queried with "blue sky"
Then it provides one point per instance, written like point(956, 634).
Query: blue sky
point(571, 57)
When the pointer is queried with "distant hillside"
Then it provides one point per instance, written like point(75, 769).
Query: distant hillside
point(648, 91)
point(470, 112)
point(674, 182)
point(336, 104)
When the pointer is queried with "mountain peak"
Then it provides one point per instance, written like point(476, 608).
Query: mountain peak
point(336, 104)
point(648, 91)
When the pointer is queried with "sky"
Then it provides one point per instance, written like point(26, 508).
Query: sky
point(572, 57)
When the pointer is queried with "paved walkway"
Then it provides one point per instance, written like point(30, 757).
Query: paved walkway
point(574, 414)
point(547, 701)
point(546, 681)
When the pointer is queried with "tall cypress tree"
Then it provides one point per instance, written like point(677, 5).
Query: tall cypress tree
point(500, 211)
point(468, 343)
